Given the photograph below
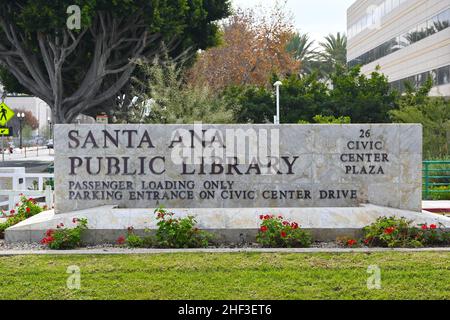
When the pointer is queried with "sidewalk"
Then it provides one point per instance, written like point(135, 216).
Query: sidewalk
point(124, 251)
point(30, 154)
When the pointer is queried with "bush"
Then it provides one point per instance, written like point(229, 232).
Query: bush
point(179, 232)
point(65, 238)
point(172, 233)
point(395, 232)
point(26, 208)
point(276, 232)
point(437, 196)
point(433, 235)
point(133, 240)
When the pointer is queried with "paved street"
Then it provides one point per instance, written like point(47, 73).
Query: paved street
point(32, 166)
point(35, 160)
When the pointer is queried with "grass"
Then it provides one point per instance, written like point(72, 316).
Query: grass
point(239, 276)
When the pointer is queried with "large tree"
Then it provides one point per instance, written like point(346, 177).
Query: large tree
point(349, 93)
point(88, 70)
point(253, 48)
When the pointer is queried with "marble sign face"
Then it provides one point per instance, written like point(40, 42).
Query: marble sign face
point(237, 166)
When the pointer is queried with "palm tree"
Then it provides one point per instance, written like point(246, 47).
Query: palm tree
point(301, 48)
point(334, 50)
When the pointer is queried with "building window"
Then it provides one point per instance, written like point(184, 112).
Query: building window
point(440, 76)
point(417, 33)
point(444, 75)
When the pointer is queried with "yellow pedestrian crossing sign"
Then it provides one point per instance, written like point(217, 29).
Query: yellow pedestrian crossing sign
point(5, 114)
point(5, 132)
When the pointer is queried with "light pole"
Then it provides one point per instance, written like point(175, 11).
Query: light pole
point(277, 117)
point(49, 120)
point(21, 117)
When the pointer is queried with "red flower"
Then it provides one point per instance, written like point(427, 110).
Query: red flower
point(30, 199)
point(280, 217)
point(12, 211)
point(351, 242)
point(121, 240)
point(266, 217)
point(264, 229)
point(47, 240)
point(294, 225)
point(433, 226)
point(160, 215)
point(49, 232)
point(74, 220)
point(261, 217)
point(424, 227)
point(28, 210)
point(285, 223)
point(283, 234)
point(389, 230)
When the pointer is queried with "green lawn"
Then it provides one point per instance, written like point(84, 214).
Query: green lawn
point(228, 276)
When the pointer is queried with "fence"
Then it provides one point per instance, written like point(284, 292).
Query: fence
point(436, 180)
point(14, 196)
point(19, 178)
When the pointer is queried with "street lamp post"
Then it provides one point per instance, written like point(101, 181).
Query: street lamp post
point(21, 117)
point(277, 86)
point(50, 127)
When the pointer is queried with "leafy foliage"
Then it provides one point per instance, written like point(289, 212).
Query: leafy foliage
point(348, 94)
point(26, 208)
point(276, 232)
point(164, 97)
point(364, 99)
point(434, 115)
point(324, 60)
point(88, 71)
point(65, 238)
point(250, 104)
point(334, 52)
point(395, 232)
point(301, 48)
point(133, 240)
point(253, 48)
point(179, 232)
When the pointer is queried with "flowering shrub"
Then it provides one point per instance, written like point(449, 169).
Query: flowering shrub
point(132, 240)
point(433, 235)
point(26, 208)
point(277, 232)
point(179, 232)
point(395, 232)
point(63, 238)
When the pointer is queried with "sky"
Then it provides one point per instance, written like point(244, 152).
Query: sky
point(316, 17)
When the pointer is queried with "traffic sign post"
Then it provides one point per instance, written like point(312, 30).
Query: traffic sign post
point(5, 132)
point(5, 115)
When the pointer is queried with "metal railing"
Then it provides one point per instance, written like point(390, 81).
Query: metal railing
point(436, 179)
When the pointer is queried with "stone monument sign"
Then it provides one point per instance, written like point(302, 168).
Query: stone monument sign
point(237, 166)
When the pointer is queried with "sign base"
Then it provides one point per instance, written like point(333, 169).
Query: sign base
point(230, 226)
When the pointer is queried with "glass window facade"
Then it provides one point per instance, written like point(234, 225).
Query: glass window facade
point(433, 25)
point(373, 17)
point(440, 76)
